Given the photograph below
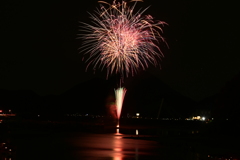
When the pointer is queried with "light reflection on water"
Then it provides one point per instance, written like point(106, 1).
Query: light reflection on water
point(101, 146)
point(115, 146)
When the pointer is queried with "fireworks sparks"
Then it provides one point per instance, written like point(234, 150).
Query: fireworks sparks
point(119, 94)
point(120, 40)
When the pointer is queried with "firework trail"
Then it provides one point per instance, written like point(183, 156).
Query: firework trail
point(119, 94)
point(120, 40)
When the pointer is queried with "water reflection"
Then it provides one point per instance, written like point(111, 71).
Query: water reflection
point(117, 148)
point(117, 145)
point(110, 146)
point(5, 151)
point(114, 146)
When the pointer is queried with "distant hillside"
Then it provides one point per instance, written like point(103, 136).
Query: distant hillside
point(145, 94)
point(227, 103)
point(19, 100)
point(88, 97)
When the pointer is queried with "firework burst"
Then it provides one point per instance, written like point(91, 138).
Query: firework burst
point(121, 40)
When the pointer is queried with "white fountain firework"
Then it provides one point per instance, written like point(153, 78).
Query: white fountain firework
point(119, 94)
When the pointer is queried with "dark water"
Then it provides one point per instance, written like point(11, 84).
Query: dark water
point(111, 145)
point(86, 146)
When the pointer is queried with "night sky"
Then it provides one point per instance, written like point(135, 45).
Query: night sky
point(39, 45)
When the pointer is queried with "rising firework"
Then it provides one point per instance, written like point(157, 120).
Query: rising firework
point(121, 40)
point(119, 94)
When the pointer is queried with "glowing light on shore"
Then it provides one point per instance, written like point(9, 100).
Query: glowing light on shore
point(121, 40)
point(137, 132)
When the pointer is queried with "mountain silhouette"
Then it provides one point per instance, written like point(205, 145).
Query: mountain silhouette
point(145, 94)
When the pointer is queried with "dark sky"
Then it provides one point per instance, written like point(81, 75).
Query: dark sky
point(39, 49)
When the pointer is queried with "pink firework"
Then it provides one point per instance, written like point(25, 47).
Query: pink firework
point(120, 40)
point(119, 94)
